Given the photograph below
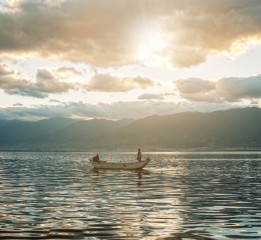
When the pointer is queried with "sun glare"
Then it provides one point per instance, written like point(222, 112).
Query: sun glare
point(151, 45)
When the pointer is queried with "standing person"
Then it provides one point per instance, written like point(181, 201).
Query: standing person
point(139, 155)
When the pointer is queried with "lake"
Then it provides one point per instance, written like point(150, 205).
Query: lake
point(179, 195)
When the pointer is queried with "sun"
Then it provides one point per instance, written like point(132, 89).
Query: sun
point(150, 47)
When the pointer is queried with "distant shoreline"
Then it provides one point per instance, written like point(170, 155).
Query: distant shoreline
point(132, 151)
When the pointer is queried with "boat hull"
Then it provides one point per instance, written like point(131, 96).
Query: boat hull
point(120, 166)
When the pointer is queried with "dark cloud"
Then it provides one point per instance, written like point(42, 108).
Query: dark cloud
point(29, 91)
point(83, 31)
point(106, 33)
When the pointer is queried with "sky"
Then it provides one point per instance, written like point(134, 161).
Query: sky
point(119, 59)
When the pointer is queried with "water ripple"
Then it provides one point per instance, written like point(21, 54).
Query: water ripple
point(178, 196)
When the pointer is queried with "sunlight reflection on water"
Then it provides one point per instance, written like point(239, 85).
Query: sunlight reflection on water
point(178, 195)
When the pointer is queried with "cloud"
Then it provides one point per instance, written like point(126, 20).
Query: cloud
point(108, 83)
point(27, 90)
point(118, 110)
point(91, 32)
point(59, 80)
point(11, 5)
point(150, 96)
point(196, 89)
point(54, 101)
point(10, 80)
point(235, 89)
point(6, 74)
point(210, 27)
point(47, 81)
point(222, 90)
point(82, 31)
point(17, 104)
point(194, 85)
point(68, 71)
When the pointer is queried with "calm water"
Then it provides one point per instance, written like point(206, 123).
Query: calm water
point(177, 196)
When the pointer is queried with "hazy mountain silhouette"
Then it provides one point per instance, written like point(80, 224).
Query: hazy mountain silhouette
point(236, 128)
point(13, 131)
point(78, 135)
point(4, 122)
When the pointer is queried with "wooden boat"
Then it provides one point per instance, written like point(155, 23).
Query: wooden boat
point(120, 165)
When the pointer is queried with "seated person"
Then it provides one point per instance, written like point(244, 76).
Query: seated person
point(96, 158)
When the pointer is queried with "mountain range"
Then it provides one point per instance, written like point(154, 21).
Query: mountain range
point(219, 130)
